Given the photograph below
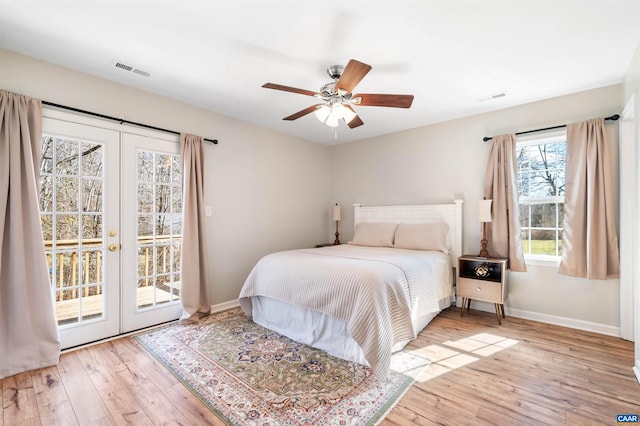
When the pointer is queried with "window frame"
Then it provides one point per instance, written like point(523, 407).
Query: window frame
point(536, 139)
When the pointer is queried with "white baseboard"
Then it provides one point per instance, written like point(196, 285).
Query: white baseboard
point(636, 369)
point(549, 319)
point(225, 305)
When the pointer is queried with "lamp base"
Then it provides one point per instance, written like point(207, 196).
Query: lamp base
point(337, 241)
point(483, 242)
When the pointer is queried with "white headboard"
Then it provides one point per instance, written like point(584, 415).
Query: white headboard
point(427, 213)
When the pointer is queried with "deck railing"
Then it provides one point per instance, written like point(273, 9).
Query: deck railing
point(68, 253)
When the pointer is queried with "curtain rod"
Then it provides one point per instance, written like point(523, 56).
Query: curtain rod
point(119, 120)
point(613, 117)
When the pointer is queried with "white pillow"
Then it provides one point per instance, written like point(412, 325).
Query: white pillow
point(422, 236)
point(374, 234)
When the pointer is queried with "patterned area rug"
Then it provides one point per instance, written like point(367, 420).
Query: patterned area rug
point(247, 374)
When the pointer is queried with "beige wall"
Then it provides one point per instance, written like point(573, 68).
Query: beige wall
point(269, 191)
point(438, 163)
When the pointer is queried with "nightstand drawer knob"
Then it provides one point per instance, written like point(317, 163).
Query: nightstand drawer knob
point(478, 289)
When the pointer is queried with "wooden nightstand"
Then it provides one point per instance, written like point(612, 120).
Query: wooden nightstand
point(482, 278)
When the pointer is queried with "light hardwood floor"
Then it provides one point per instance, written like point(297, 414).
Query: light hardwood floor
point(522, 372)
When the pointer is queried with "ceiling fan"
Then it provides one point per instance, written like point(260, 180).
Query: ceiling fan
point(338, 99)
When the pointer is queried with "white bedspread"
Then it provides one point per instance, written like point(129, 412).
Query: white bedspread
point(376, 291)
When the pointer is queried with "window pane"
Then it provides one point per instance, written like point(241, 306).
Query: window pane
point(523, 159)
point(67, 228)
point(176, 168)
point(524, 215)
point(46, 193)
point(145, 166)
point(46, 155)
point(543, 215)
point(145, 226)
point(92, 302)
point(92, 195)
point(47, 228)
point(91, 154)
point(163, 198)
point(177, 199)
point(66, 157)
point(526, 244)
point(176, 225)
point(543, 242)
point(145, 198)
point(523, 184)
point(560, 233)
point(92, 227)
point(163, 168)
point(163, 224)
point(66, 194)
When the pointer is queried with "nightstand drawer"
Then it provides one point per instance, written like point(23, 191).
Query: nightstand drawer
point(480, 290)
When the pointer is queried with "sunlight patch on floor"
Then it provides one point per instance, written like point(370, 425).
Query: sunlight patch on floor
point(451, 355)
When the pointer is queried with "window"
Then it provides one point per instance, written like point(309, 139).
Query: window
point(541, 187)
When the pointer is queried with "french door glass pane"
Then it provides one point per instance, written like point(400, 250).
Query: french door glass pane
point(72, 211)
point(159, 227)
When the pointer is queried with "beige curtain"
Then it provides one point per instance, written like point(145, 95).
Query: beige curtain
point(589, 243)
point(500, 185)
point(28, 330)
point(194, 261)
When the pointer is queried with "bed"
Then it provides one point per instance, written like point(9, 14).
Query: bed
point(363, 300)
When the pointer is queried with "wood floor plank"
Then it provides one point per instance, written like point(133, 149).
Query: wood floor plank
point(53, 402)
point(19, 401)
point(85, 399)
point(158, 407)
point(103, 366)
point(191, 407)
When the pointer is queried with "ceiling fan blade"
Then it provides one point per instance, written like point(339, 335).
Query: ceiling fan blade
point(353, 73)
point(356, 122)
point(393, 101)
point(302, 113)
point(290, 89)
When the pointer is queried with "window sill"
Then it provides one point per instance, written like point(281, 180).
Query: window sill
point(546, 261)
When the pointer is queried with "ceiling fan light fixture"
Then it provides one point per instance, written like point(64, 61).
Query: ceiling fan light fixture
point(322, 113)
point(337, 111)
point(332, 121)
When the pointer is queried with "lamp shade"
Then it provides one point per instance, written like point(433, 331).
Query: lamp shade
point(337, 212)
point(322, 113)
point(484, 211)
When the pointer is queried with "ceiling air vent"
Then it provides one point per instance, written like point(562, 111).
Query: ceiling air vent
point(130, 68)
point(491, 97)
point(141, 72)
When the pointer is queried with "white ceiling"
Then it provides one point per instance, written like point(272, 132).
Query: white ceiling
point(449, 54)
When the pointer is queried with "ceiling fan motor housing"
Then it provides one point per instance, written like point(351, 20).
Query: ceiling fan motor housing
point(335, 71)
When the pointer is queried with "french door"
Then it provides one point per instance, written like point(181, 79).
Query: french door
point(111, 220)
point(151, 231)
